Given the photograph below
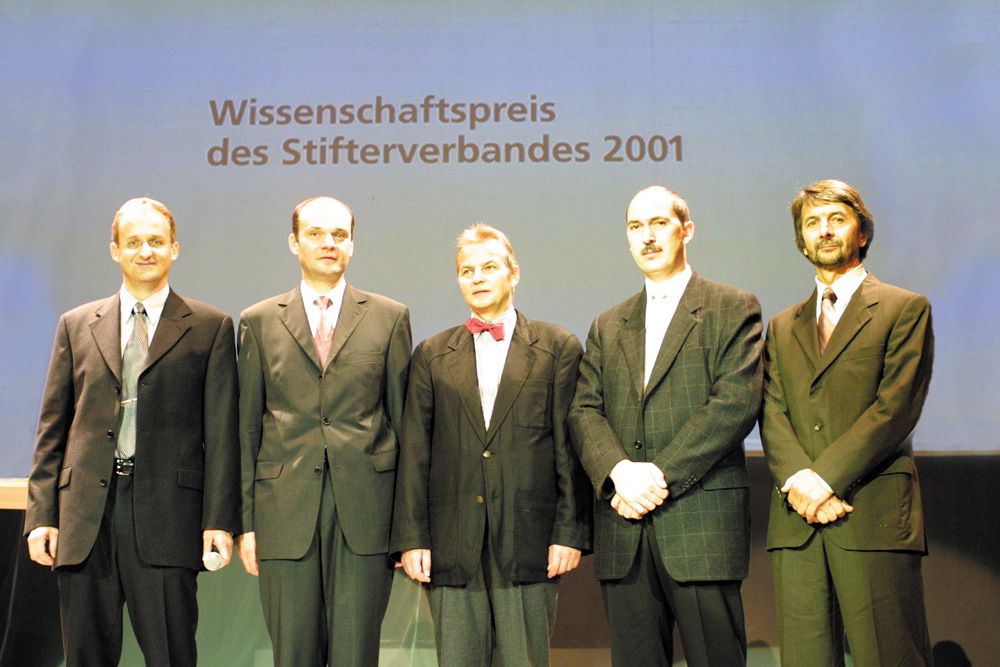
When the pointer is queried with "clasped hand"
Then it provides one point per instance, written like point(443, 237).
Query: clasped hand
point(812, 498)
point(639, 488)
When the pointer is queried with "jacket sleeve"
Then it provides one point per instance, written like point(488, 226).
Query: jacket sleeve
point(221, 503)
point(573, 525)
point(733, 404)
point(55, 418)
point(251, 411)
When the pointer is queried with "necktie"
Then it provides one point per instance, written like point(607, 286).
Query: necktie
point(476, 325)
point(324, 331)
point(132, 362)
point(826, 318)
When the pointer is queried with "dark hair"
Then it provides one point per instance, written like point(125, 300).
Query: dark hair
point(833, 192)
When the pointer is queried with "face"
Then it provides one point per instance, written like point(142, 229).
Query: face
point(485, 280)
point(656, 237)
point(144, 250)
point(324, 244)
point(832, 236)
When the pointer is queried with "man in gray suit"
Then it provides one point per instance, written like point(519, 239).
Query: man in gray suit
point(323, 371)
point(670, 384)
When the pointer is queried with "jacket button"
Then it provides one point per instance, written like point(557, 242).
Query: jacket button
point(326, 421)
point(817, 426)
point(487, 454)
point(118, 390)
point(103, 482)
point(479, 499)
point(638, 445)
point(111, 434)
point(317, 470)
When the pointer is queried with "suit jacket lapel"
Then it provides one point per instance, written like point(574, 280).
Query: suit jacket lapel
point(633, 340)
point(516, 368)
point(107, 331)
point(461, 364)
point(680, 326)
point(169, 330)
point(806, 332)
point(293, 316)
point(351, 311)
point(856, 315)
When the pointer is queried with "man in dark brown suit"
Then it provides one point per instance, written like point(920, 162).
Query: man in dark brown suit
point(669, 386)
point(134, 482)
point(847, 371)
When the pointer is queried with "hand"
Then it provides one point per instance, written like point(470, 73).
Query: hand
point(246, 547)
point(417, 564)
point(625, 509)
point(42, 543)
point(807, 491)
point(562, 559)
point(640, 485)
point(221, 540)
point(831, 510)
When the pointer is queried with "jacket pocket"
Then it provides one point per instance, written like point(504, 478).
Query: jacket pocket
point(383, 461)
point(268, 469)
point(726, 477)
point(536, 514)
point(191, 479)
point(64, 476)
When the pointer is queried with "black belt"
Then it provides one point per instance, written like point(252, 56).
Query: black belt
point(124, 466)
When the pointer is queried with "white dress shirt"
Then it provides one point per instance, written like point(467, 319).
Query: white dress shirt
point(491, 355)
point(844, 287)
point(309, 296)
point(154, 308)
point(662, 298)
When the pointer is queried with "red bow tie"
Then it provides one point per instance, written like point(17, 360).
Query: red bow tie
point(476, 325)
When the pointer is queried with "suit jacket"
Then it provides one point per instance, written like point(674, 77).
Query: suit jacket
point(520, 476)
point(187, 456)
point(848, 414)
point(702, 399)
point(295, 416)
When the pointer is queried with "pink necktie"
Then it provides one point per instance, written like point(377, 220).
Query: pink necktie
point(324, 332)
point(826, 318)
point(476, 325)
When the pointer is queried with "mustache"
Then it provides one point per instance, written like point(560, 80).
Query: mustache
point(650, 247)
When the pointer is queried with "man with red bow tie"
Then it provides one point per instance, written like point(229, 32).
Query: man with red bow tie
point(491, 502)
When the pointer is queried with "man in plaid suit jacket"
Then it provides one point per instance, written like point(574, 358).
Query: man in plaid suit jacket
point(669, 386)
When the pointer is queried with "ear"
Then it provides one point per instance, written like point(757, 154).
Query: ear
point(115, 254)
point(175, 250)
point(515, 276)
point(293, 244)
point(688, 228)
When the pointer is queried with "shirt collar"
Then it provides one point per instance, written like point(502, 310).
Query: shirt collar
point(153, 303)
point(672, 287)
point(508, 319)
point(846, 285)
point(336, 295)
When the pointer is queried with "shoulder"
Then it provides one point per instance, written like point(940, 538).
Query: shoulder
point(892, 293)
point(621, 310)
point(268, 306)
point(441, 342)
point(716, 292)
point(202, 310)
point(548, 334)
point(90, 310)
point(376, 301)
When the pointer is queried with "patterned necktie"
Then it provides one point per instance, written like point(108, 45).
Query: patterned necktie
point(476, 325)
point(826, 318)
point(132, 363)
point(324, 331)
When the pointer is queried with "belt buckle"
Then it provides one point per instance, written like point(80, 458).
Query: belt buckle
point(124, 466)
